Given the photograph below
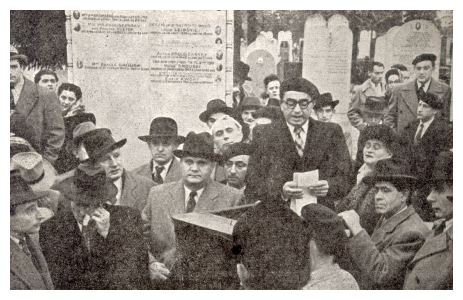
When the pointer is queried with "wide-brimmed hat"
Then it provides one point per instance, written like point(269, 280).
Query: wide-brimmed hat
point(14, 54)
point(163, 127)
point(236, 149)
point(36, 171)
point(198, 145)
point(325, 227)
point(215, 106)
point(241, 71)
point(443, 168)
point(249, 102)
point(391, 170)
point(21, 192)
point(325, 99)
point(87, 190)
point(431, 100)
point(299, 84)
point(99, 142)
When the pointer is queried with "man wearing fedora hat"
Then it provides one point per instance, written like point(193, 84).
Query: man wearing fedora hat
point(28, 268)
point(298, 143)
point(380, 260)
point(38, 106)
point(162, 140)
point(194, 192)
point(240, 76)
point(427, 136)
point(215, 109)
point(95, 245)
point(432, 266)
point(105, 152)
point(405, 98)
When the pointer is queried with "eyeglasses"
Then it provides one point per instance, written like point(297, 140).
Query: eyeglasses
point(303, 103)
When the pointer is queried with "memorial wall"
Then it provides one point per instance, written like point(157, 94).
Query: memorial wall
point(134, 66)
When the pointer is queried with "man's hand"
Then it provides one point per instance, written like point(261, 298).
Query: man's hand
point(291, 191)
point(158, 271)
point(320, 189)
point(352, 220)
point(101, 218)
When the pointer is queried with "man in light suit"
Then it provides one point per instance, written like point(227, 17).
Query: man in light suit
point(162, 140)
point(404, 100)
point(28, 268)
point(298, 143)
point(38, 107)
point(194, 192)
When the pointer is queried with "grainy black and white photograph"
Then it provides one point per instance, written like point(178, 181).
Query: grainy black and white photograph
point(231, 149)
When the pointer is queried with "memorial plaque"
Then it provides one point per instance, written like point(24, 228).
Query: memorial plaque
point(327, 59)
point(413, 38)
point(262, 58)
point(134, 66)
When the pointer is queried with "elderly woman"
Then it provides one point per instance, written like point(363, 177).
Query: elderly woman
point(379, 142)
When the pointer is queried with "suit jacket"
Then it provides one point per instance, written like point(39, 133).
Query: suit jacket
point(135, 190)
point(24, 273)
point(382, 259)
point(275, 159)
point(437, 138)
point(119, 261)
point(432, 266)
point(173, 174)
point(42, 112)
point(404, 103)
point(168, 199)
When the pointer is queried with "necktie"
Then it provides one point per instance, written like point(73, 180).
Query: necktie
point(158, 178)
point(190, 206)
point(418, 134)
point(439, 228)
point(12, 105)
point(420, 93)
point(23, 245)
point(298, 140)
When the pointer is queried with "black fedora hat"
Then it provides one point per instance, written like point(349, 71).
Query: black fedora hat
point(88, 190)
point(21, 192)
point(249, 102)
point(198, 145)
point(236, 149)
point(391, 170)
point(99, 142)
point(215, 106)
point(325, 99)
point(163, 127)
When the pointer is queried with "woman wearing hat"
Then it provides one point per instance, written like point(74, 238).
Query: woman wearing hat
point(379, 142)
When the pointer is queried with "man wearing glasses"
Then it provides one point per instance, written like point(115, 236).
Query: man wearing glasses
point(298, 143)
point(404, 100)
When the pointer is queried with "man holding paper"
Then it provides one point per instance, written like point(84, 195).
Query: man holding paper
point(298, 143)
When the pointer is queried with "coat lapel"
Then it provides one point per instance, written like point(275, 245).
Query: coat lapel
point(129, 189)
point(410, 100)
point(22, 266)
point(434, 245)
point(389, 226)
point(174, 173)
point(27, 98)
point(208, 197)
point(177, 198)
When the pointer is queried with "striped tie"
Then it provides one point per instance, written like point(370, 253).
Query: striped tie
point(298, 140)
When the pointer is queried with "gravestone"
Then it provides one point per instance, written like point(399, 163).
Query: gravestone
point(134, 66)
point(380, 49)
point(383, 47)
point(262, 58)
point(413, 38)
point(391, 33)
point(286, 36)
point(364, 44)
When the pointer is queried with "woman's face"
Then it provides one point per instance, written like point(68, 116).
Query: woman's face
point(374, 151)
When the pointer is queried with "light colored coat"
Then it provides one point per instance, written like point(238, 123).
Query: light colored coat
point(432, 266)
point(173, 174)
point(135, 190)
point(382, 259)
point(24, 275)
point(404, 103)
point(168, 199)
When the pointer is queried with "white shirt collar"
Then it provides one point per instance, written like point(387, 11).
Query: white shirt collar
point(187, 194)
point(166, 168)
point(426, 85)
point(305, 127)
point(425, 126)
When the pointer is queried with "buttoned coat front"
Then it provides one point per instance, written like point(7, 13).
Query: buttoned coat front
point(167, 200)
point(381, 259)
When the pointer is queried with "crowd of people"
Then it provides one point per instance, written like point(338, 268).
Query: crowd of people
point(82, 219)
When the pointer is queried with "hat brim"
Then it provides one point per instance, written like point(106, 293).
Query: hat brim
point(371, 180)
point(149, 138)
point(213, 157)
point(21, 57)
point(106, 150)
point(70, 191)
point(48, 179)
point(205, 114)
